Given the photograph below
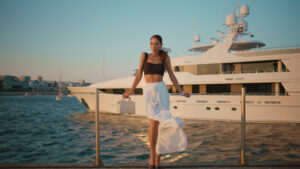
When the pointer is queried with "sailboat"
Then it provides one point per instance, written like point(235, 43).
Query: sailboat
point(60, 92)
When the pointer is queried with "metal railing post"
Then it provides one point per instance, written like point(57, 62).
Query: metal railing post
point(243, 126)
point(98, 161)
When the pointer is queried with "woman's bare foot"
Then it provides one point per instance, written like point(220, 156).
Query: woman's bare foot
point(151, 164)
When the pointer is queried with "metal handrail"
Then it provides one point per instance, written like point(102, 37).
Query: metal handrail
point(98, 161)
point(260, 94)
point(243, 126)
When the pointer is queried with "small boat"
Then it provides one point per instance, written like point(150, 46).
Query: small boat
point(59, 96)
point(60, 92)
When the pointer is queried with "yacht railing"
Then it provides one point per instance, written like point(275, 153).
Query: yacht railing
point(278, 47)
point(226, 94)
point(241, 72)
point(266, 48)
point(251, 71)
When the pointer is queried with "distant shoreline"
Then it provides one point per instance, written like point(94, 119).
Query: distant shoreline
point(31, 93)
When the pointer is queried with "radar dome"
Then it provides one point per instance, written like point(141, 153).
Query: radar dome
point(243, 25)
point(244, 10)
point(230, 20)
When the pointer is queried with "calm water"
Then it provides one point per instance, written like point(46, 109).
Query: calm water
point(41, 129)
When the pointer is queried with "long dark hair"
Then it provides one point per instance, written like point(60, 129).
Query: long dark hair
point(162, 54)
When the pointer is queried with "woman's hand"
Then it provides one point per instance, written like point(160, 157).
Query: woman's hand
point(126, 94)
point(185, 94)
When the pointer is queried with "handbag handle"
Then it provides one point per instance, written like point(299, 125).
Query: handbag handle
point(129, 99)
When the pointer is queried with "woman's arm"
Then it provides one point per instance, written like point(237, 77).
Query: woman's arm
point(138, 76)
point(173, 77)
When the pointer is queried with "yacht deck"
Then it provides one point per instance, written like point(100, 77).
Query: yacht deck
point(268, 52)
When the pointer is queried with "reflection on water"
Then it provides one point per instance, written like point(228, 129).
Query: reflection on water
point(41, 129)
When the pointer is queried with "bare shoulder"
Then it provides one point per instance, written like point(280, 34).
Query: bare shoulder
point(143, 55)
point(168, 60)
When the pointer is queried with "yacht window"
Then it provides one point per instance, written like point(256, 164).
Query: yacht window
point(258, 88)
point(282, 90)
point(138, 91)
point(170, 90)
point(208, 69)
point(263, 66)
point(227, 68)
point(283, 68)
point(195, 88)
point(103, 90)
point(118, 91)
point(219, 88)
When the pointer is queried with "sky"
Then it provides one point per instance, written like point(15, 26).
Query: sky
point(40, 37)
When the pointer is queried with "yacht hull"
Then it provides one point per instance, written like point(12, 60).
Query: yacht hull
point(206, 107)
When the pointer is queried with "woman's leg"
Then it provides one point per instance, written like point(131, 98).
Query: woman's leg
point(153, 133)
point(157, 160)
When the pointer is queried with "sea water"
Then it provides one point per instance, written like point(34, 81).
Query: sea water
point(41, 129)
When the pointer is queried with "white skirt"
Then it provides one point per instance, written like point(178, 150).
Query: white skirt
point(171, 137)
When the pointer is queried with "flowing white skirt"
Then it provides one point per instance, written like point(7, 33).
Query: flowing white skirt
point(171, 137)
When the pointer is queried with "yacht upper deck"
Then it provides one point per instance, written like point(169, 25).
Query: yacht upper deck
point(267, 52)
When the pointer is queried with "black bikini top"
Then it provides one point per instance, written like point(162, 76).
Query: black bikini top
point(153, 68)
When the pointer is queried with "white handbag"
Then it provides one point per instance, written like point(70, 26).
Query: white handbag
point(126, 106)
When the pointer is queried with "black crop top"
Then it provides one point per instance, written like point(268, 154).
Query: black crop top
point(153, 68)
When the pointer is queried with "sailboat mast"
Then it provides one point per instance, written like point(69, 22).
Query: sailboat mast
point(60, 85)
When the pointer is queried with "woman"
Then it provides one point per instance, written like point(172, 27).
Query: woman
point(171, 137)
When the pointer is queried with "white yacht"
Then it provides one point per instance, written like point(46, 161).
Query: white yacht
point(215, 77)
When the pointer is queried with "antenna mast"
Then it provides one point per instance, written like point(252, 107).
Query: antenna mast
point(102, 71)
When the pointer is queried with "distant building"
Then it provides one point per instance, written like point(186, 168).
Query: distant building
point(73, 84)
point(24, 78)
point(8, 82)
point(37, 84)
point(39, 78)
point(52, 84)
point(81, 82)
